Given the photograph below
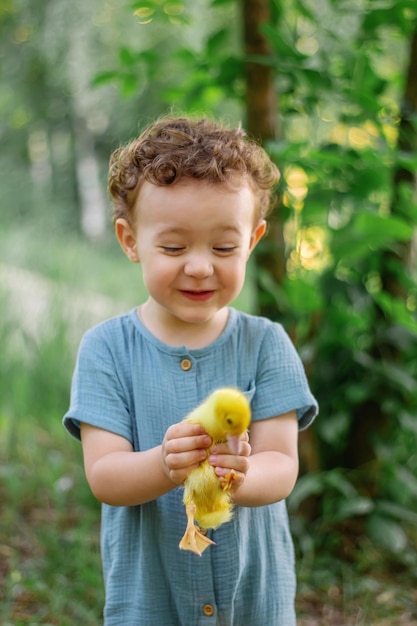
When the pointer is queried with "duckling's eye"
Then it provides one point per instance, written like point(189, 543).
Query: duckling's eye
point(229, 420)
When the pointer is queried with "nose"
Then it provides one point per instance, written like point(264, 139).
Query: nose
point(198, 265)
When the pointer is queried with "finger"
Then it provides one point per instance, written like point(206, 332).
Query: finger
point(225, 462)
point(183, 429)
point(185, 444)
point(185, 460)
point(178, 476)
point(245, 449)
point(222, 448)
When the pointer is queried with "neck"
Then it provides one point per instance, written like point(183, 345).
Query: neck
point(174, 332)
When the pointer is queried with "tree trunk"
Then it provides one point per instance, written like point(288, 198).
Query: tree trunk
point(91, 190)
point(262, 123)
point(261, 97)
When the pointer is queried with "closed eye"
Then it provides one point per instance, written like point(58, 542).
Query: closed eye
point(171, 250)
point(225, 250)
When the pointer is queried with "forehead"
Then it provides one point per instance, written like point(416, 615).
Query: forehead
point(191, 202)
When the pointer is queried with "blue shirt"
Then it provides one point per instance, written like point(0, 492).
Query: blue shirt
point(130, 383)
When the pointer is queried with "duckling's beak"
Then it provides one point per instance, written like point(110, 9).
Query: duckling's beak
point(233, 441)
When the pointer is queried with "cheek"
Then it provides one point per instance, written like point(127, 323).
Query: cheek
point(159, 270)
point(236, 271)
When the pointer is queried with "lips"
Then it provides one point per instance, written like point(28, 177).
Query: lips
point(197, 296)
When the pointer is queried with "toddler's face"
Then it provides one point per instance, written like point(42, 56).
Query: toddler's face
point(193, 241)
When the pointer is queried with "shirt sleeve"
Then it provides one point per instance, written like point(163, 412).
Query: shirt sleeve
point(98, 395)
point(281, 382)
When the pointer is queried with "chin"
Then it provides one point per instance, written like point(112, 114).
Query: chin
point(196, 316)
point(195, 319)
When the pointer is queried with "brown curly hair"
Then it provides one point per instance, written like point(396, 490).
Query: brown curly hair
point(174, 149)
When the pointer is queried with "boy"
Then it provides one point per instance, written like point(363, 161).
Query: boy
point(190, 199)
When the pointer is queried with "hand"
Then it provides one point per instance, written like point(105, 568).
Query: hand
point(183, 448)
point(224, 461)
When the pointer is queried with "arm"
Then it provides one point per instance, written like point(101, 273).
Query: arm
point(121, 477)
point(269, 473)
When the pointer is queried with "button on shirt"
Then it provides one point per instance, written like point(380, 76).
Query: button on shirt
point(208, 609)
point(128, 382)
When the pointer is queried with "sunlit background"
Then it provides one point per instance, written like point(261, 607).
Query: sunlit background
point(78, 79)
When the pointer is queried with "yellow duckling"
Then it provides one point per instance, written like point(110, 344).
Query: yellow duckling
point(225, 415)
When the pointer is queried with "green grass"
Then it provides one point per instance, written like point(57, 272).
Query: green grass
point(367, 590)
point(49, 522)
point(50, 571)
point(49, 553)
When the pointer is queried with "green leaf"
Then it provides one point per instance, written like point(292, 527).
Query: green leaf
point(387, 533)
point(345, 245)
point(262, 59)
point(104, 77)
point(408, 479)
point(219, 3)
point(369, 231)
point(380, 229)
point(334, 431)
point(303, 297)
point(272, 288)
point(407, 161)
point(395, 309)
point(145, 4)
point(127, 57)
point(186, 56)
point(129, 84)
point(338, 481)
point(354, 507)
point(306, 486)
point(277, 41)
point(230, 70)
point(408, 421)
point(399, 375)
point(385, 16)
point(396, 511)
point(216, 42)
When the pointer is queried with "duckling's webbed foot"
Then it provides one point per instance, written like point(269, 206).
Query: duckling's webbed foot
point(193, 539)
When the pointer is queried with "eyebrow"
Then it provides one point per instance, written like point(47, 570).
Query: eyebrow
point(180, 231)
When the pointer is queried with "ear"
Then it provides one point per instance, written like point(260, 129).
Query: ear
point(126, 237)
point(257, 234)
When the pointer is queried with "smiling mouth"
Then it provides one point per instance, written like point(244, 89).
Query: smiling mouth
point(198, 296)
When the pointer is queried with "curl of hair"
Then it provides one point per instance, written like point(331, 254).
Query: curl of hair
point(173, 149)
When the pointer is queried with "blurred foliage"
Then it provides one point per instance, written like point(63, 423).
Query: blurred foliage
point(49, 522)
point(348, 203)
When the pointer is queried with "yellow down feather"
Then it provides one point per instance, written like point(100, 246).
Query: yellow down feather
point(224, 415)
